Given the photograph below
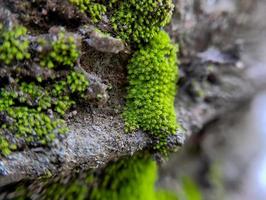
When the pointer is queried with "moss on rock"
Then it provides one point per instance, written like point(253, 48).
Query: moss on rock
point(32, 109)
point(13, 44)
point(64, 52)
point(131, 178)
point(152, 75)
point(95, 9)
point(135, 21)
point(139, 21)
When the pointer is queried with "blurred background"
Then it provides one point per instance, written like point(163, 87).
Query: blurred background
point(227, 158)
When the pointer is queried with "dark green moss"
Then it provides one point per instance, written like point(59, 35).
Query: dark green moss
point(152, 75)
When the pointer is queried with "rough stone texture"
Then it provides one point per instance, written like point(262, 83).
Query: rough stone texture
point(211, 84)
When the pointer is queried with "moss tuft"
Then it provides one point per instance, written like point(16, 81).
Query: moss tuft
point(152, 75)
point(31, 110)
point(95, 10)
point(64, 52)
point(13, 44)
point(135, 21)
point(140, 21)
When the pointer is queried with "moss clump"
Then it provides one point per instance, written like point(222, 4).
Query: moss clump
point(13, 44)
point(136, 21)
point(152, 75)
point(31, 109)
point(64, 52)
point(140, 21)
point(95, 9)
point(5, 146)
point(77, 82)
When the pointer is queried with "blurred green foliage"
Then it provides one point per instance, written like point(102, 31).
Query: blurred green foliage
point(189, 190)
point(131, 178)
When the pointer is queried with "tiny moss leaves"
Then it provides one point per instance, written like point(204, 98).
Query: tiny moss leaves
point(152, 75)
point(64, 52)
point(92, 7)
point(139, 21)
point(13, 44)
point(135, 21)
point(32, 108)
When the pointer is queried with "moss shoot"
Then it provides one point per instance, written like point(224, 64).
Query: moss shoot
point(32, 109)
point(152, 75)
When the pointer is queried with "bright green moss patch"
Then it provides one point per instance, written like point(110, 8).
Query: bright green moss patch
point(131, 179)
point(32, 109)
point(13, 44)
point(77, 82)
point(92, 7)
point(136, 21)
point(152, 75)
point(153, 71)
point(140, 21)
point(64, 52)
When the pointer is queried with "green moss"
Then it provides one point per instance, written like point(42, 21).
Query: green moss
point(95, 10)
point(5, 146)
point(31, 110)
point(166, 195)
point(77, 82)
point(152, 75)
point(139, 21)
point(131, 178)
point(135, 21)
point(64, 52)
point(13, 44)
